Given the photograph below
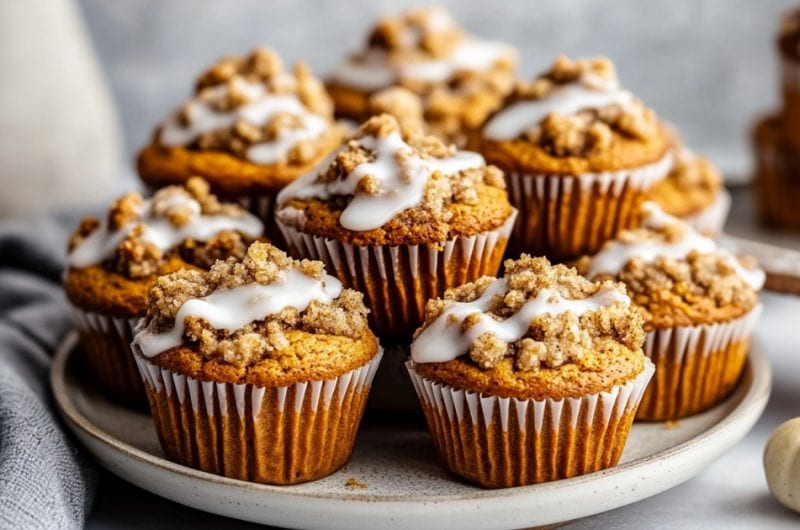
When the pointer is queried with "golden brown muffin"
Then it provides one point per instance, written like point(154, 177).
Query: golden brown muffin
point(549, 340)
point(113, 263)
point(250, 128)
point(691, 186)
point(417, 214)
point(699, 303)
point(288, 351)
point(579, 155)
point(457, 79)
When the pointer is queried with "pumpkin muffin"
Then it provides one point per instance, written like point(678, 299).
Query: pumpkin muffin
point(777, 175)
point(532, 377)
point(114, 261)
point(693, 192)
point(700, 305)
point(400, 216)
point(580, 155)
point(250, 128)
point(258, 369)
point(457, 79)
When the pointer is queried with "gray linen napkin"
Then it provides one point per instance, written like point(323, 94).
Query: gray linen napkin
point(44, 481)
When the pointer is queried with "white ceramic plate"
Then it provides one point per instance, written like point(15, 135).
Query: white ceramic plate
point(401, 484)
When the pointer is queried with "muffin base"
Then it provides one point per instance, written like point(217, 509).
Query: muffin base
point(280, 435)
point(397, 281)
point(567, 216)
point(506, 442)
point(697, 366)
point(105, 341)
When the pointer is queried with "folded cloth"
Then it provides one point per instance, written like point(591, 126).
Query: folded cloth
point(45, 482)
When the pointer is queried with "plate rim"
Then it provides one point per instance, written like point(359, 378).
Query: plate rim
point(749, 408)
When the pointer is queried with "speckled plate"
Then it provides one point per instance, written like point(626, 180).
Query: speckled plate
point(393, 480)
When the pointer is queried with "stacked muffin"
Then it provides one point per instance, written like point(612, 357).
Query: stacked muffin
point(257, 362)
point(776, 138)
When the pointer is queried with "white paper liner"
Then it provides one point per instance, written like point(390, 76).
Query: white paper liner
point(115, 370)
point(536, 194)
point(672, 346)
point(459, 405)
point(260, 205)
point(426, 264)
point(711, 219)
point(247, 399)
point(712, 337)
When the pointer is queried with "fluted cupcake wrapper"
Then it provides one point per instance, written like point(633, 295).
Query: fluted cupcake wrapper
point(397, 281)
point(697, 366)
point(711, 219)
point(105, 341)
point(567, 216)
point(277, 435)
point(504, 442)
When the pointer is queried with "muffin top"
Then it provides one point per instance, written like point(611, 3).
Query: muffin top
point(253, 109)
point(114, 260)
point(460, 79)
point(264, 319)
point(676, 276)
point(419, 48)
point(541, 331)
point(394, 185)
point(691, 185)
point(575, 118)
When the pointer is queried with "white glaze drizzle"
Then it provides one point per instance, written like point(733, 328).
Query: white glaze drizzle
point(232, 309)
point(568, 99)
point(443, 340)
point(401, 174)
point(615, 254)
point(375, 69)
point(159, 231)
point(262, 107)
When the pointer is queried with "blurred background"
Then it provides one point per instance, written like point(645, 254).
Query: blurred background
point(709, 67)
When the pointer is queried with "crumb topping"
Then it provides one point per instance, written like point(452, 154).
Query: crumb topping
point(692, 184)
point(550, 338)
point(459, 79)
point(387, 160)
point(262, 264)
point(591, 129)
point(136, 252)
point(401, 103)
point(243, 101)
point(665, 284)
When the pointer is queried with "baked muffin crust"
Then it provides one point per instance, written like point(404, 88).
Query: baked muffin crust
point(251, 125)
point(573, 119)
point(577, 336)
point(458, 194)
point(320, 340)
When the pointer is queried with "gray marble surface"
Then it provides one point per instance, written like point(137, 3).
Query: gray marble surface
point(707, 66)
